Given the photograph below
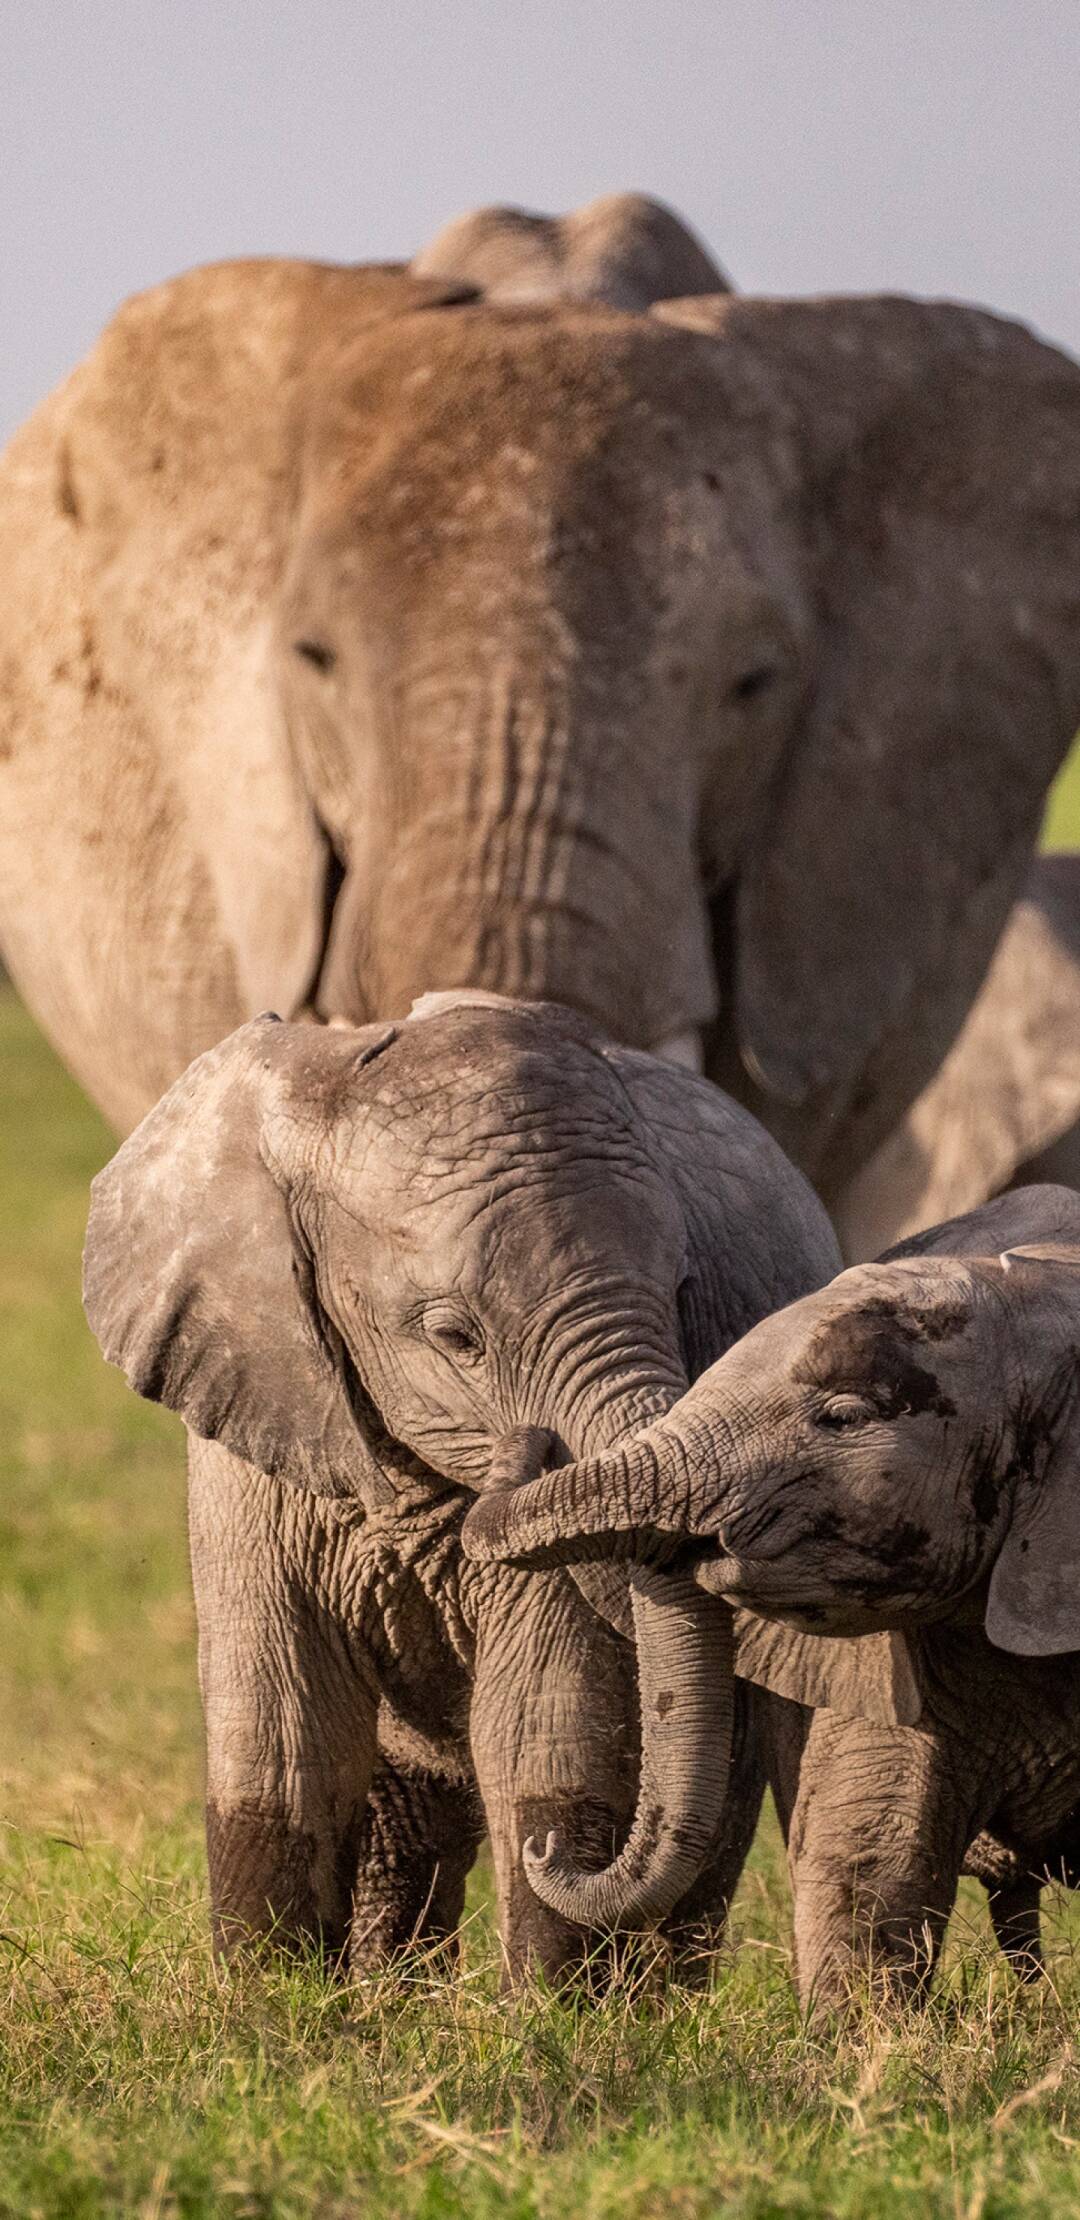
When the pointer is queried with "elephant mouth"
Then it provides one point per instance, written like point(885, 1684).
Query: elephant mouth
point(844, 1600)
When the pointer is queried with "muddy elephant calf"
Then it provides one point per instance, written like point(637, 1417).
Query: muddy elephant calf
point(890, 1470)
point(354, 1261)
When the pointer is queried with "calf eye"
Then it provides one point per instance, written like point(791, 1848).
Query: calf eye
point(317, 652)
point(455, 1334)
point(845, 1410)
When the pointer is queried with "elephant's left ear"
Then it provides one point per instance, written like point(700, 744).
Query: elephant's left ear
point(936, 455)
point(862, 1676)
point(1033, 1608)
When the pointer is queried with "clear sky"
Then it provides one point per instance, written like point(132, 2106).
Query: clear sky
point(930, 146)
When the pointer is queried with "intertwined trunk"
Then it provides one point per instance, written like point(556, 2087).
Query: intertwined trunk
point(624, 1504)
point(684, 1644)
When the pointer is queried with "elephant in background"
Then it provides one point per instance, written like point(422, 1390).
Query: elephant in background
point(1004, 1109)
point(883, 1477)
point(354, 1260)
point(703, 668)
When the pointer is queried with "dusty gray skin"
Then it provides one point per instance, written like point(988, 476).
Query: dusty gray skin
point(704, 668)
point(888, 1469)
point(357, 1260)
point(1004, 1110)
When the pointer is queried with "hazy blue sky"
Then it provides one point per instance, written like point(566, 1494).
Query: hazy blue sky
point(926, 145)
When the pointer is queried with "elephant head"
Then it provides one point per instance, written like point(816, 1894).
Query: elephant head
point(693, 643)
point(360, 1259)
point(703, 665)
point(898, 1448)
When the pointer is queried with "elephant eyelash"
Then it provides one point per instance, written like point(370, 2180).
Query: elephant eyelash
point(316, 652)
point(454, 1336)
point(843, 1411)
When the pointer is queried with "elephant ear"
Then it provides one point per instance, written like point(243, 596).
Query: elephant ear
point(197, 1280)
point(862, 1676)
point(936, 452)
point(757, 1235)
point(1033, 1606)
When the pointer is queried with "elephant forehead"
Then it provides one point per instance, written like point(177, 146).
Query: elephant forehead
point(481, 1089)
point(903, 1335)
point(565, 372)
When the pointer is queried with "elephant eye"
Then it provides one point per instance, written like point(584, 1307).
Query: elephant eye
point(317, 652)
point(753, 682)
point(845, 1410)
point(454, 1334)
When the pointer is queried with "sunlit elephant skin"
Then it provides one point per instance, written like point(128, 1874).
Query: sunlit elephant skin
point(888, 1471)
point(356, 1260)
point(703, 667)
point(1004, 1110)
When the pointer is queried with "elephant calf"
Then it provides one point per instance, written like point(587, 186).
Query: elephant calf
point(354, 1260)
point(890, 1470)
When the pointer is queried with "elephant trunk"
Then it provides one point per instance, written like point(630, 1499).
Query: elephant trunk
point(609, 1506)
point(520, 858)
point(685, 1651)
point(633, 1502)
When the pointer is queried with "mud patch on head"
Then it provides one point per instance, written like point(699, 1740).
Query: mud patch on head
point(876, 1351)
point(987, 1489)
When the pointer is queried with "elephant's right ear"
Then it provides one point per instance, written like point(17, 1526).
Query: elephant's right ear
point(196, 1279)
point(1033, 1604)
point(934, 453)
point(861, 1676)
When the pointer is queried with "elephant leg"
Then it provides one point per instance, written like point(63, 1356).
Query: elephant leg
point(1013, 1894)
point(782, 1728)
point(878, 1834)
point(554, 1743)
point(1014, 1912)
point(420, 1836)
point(696, 1926)
point(290, 1705)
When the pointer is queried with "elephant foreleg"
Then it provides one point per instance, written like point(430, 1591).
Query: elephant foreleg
point(290, 1704)
point(419, 1839)
point(1014, 1912)
point(878, 1834)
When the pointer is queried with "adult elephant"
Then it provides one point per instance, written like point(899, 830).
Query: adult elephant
point(703, 668)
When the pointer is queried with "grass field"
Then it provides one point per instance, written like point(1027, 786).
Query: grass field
point(136, 2079)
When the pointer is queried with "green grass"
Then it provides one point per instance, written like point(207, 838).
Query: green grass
point(136, 2079)
point(1062, 825)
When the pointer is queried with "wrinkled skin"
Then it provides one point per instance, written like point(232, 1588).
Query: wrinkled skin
point(703, 666)
point(888, 1472)
point(358, 1260)
point(1004, 1110)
